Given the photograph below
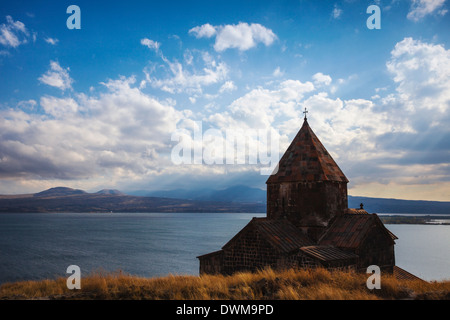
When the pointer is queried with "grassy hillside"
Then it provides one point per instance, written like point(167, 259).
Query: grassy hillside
point(267, 284)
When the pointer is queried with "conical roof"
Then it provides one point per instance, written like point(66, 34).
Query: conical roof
point(306, 159)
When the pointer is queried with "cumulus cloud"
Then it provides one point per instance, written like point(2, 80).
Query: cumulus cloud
point(186, 78)
point(13, 33)
point(27, 104)
point(421, 8)
point(59, 108)
point(204, 31)
point(261, 108)
point(153, 45)
point(52, 41)
point(321, 79)
point(57, 77)
point(242, 36)
point(337, 12)
point(277, 72)
point(422, 73)
point(228, 86)
point(118, 133)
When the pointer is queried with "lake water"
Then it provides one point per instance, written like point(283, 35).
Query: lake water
point(43, 245)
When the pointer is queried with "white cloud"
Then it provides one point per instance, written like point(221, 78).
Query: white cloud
point(242, 36)
point(27, 104)
point(52, 41)
point(277, 72)
point(261, 107)
point(182, 78)
point(57, 77)
point(13, 33)
point(204, 31)
point(228, 86)
point(422, 73)
point(153, 45)
point(120, 134)
point(59, 108)
point(336, 12)
point(321, 79)
point(421, 8)
point(188, 57)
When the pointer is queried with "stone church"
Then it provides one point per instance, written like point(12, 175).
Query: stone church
point(308, 221)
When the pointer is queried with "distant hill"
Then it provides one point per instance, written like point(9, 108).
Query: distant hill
point(62, 199)
point(110, 192)
point(382, 205)
point(59, 192)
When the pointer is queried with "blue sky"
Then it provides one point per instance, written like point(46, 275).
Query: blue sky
point(97, 107)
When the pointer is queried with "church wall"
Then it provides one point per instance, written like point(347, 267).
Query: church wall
point(306, 203)
point(211, 263)
point(249, 252)
point(377, 249)
point(296, 260)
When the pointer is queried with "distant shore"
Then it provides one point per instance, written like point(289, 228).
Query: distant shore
point(422, 219)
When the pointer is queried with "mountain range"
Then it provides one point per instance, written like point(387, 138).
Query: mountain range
point(61, 199)
point(233, 199)
point(241, 193)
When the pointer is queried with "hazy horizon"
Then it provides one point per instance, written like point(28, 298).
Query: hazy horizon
point(135, 192)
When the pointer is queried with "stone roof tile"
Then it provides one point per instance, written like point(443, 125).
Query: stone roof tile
point(306, 159)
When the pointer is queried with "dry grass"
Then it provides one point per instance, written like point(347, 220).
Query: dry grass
point(318, 284)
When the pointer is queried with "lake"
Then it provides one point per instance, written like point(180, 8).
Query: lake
point(42, 245)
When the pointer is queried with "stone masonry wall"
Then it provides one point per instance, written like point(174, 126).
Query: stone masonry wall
point(249, 252)
point(311, 204)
